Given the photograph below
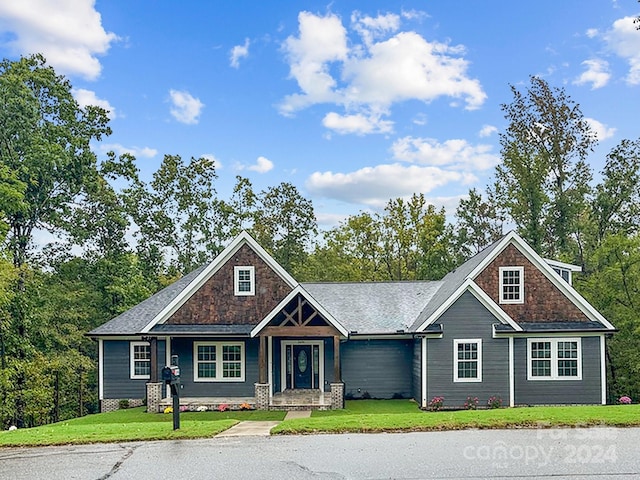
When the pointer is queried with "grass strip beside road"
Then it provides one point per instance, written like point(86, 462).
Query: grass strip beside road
point(404, 416)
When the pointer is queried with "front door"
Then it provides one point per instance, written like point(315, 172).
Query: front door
point(302, 365)
point(302, 368)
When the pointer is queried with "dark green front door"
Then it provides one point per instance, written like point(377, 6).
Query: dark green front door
point(302, 365)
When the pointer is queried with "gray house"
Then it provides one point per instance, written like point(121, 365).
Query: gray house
point(506, 323)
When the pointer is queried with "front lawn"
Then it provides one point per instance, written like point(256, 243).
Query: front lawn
point(132, 424)
point(404, 415)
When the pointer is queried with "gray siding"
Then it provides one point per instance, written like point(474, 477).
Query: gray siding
point(116, 368)
point(467, 319)
point(183, 347)
point(383, 368)
point(551, 392)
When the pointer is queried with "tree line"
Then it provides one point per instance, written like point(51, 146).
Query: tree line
point(120, 239)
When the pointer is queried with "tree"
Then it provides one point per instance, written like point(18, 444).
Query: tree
point(285, 224)
point(44, 141)
point(478, 224)
point(543, 181)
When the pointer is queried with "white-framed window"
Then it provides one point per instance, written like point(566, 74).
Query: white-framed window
point(467, 360)
point(511, 284)
point(218, 362)
point(554, 359)
point(140, 360)
point(244, 281)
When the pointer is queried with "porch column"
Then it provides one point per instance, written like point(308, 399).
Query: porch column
point(153, 374)
point(262, 365)
point(337, 375)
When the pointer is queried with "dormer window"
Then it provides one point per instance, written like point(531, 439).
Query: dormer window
point(511, 284)
point(565, 270)
point(244, 281)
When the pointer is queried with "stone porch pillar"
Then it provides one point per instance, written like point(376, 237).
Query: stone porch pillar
point(337, 395)
point(262, 396)
point(154, 395)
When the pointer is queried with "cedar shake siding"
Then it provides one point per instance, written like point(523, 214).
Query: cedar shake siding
point(543, 301)
point(215, 302)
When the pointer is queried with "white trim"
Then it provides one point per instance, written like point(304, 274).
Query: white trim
point(501, 272)
point(236, 281)
point(219, 362)
point(481, 296)
point(512, 382)
point(100, 369)
point(603, 367)
point(270, 365)
point(312, 301)
point(132, 360)
point(167, 362)
point(563, 265)
point(554, 359)
point(423, 348)
point(243, 239)
point(283, 361)
point(478, 360)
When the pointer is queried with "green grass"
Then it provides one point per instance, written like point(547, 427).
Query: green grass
point(130, 425)
point(402, 415)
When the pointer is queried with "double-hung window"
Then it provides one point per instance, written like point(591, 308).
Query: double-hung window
point(554, 359)
point(467, 360)
point(218, 362)
point(244, 281)
point(140, 360)
point(511, 284)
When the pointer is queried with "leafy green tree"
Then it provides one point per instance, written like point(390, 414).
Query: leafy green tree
point(543, 181)
point(478, 225)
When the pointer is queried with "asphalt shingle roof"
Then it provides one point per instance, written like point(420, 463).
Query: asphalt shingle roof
point(374, 307)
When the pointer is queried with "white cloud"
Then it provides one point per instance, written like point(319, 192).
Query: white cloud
point(88, 97)
point(455, 153)
point(238, 52)
point(368, 78)
point(138, 152)
point(374, 186)
point(185, 107)
point(487, 131)
point(358, 123)
point(600, 129)
point(69, 33)
point(262, 165)
point(597, 74)
point(592, 32)
point(624, 40)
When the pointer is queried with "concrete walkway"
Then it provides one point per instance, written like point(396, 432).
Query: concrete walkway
point(250, 428)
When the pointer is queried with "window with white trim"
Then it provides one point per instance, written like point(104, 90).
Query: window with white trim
point(554, 359)
point(467, 360)
point(140, 360)
point(218, 362)
point(511, 284)
point(244, 281)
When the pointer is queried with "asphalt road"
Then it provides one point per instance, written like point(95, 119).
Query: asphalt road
point(594, 453)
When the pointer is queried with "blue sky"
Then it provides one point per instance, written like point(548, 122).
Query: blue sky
point(354, 102)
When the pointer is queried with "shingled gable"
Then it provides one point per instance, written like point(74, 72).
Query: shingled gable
point(462, 279)
point(299, 290)
point(210, 270)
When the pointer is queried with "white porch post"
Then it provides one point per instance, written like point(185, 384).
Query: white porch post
point(511, 375)
point(423, 348)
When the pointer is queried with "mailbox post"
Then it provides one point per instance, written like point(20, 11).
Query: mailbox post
point(171, 376)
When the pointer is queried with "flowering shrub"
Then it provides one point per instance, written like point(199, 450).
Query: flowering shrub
point(245, 406)
point(184, 408)
point(436, 404)
point(494, 402)
point(201, 408)
point(471, 403)
point(223, 407)
point(168, 410)
point(624, 400)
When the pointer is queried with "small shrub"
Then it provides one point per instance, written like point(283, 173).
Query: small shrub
point(436, 404)
point(624, 400)
point(471, 403)
point(168, 410)
point(123, 404)
point(398, 396)
point(494, 402)
point(223, 407)
point(245, 406)
point(201, 408)
point(366, 395)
